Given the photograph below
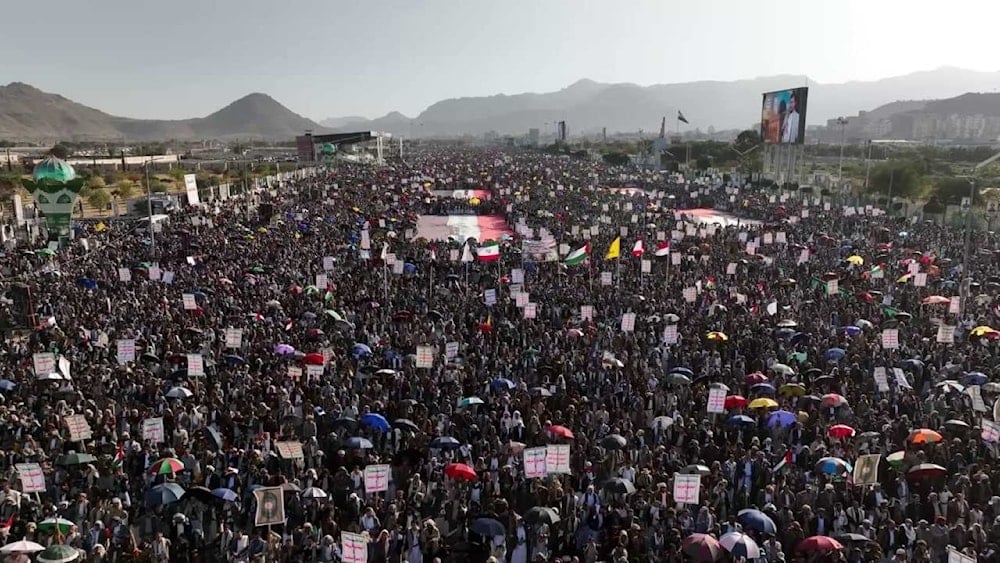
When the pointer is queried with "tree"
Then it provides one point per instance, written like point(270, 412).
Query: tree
point(99, 198)
point(703, 162)
point(96, 183)
point(951, 190)
point(158, 187)
point(61, 150)
point(616, 159)
point(898, 178)
point(124, 189)
point(749, 154)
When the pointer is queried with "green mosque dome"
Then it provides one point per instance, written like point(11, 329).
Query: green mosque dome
point(53, 169)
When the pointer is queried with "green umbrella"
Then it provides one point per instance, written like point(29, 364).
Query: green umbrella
point(896, 459)
point(58, 553)
point(333, 315)
point(75, 459)
point(49, 525)
point(46, 252)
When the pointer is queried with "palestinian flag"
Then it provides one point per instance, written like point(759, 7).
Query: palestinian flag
point(638, 249)
point(662, 249)
point(578, 256)
point(488, 252)
point(119, 460)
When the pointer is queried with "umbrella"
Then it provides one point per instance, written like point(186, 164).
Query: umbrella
point(445, 443)
point(819, 543)
point(783, 369)
point(969, 378)
point(740, 545)
point(58, 553)
point(376, 421)
point(833, 466)
point(696, 470)
point(75, 459)
point(358, 443)
point(314, 359)
point(179, 393)
point(620, 486)
point(787, 323)
point(833, 400)
point(165, 493)
point(212, 435)
point(539, 392)
point(896, 459)
point(684, 370)
point(841, 431)
point(503, 383)
point(763, 389)
point(763, 403)
point(956, 425)
point(166, 466)
point(703, 548)
point(23, 546)
point(459, 471)
point(361, 350)
point(225, 495)
point(314, 492)
point(851, 330)
point(781, 419)
point(741, 420)
point(469, 401)
point(405, 424)
point(753, 519)
point(284, 349)
point(834, 354)
point(199, 493)
point(488, 527)
point(735, 402)
point(677, 379)
point(614, 442)
point(925, 471)
point(935, 300)
point(541, 515)
point(855, 261)
point(7, 385)
point(950, 385)
point(561, 432)
point(717, 336)
point(852, 538)
point(661, 422)
point(755, 378)
point(923, 436)
point(792, 390)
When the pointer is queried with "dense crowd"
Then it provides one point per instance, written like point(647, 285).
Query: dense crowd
point(815, 328)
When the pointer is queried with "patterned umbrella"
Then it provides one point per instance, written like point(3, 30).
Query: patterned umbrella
point(703, 548)
point(166, 466)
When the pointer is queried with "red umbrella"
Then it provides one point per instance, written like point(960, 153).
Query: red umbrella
point(819, 543)
point(561, 431)
point(735, 402)
point(459, 471)
point(755, 378)
point(314, 358)
point(702, 548)
point(841, 431)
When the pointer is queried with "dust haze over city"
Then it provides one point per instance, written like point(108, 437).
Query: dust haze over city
point(499, 282)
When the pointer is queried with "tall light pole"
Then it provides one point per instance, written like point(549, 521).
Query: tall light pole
point(149, 208)
point(842, 121)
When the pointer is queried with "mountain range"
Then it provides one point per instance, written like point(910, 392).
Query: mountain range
point(27, 113)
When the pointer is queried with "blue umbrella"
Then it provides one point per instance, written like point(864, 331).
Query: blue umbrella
point(969, 378)
point(409, 268)
point(741, 420)
point(800, 338)
point(233, 360)
point(376, 421)
point(762, 389)
point(165, 493)
point(86, 283)
point(850, 330)
point(834, 354)
point(503, 383)
point(391, 355)
point(780, 418)
point(684, 370)
point(225, 494)
point(361, 350)
point(753, 519)
point(7, 385)
point(358, 443)
point(445, 443)
point(833, 466)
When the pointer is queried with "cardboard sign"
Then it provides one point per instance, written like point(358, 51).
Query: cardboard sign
point(126, 351)
point(670, 334)
point(628, 322)
point(44, 363)
point(289, 449)
point(687, 488)
point(425, 356)
point(557, 459)
point(31, 476)
point(890, 339)
point(586, 312)
point(152, 430)
point(376, 478)
point(716, 400)
point(234, 338)
point(190, 304)
point(534, 462)
point(195, 365)
point(79, 428)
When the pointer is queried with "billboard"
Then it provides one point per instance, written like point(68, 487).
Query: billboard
point(783, 116)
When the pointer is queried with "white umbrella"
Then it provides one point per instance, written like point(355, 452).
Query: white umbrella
point(782, 369)
point(49, 377)
point(662, 422)
point(740, 545)
point(314, 492)
point(23, 546)
point(179, 393)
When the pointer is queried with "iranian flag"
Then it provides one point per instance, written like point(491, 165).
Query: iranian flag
point(578, 256)
point(489, 252)
point(662, 249)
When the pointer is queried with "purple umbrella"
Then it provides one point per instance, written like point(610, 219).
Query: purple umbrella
point(780, 418)
point(284, 349)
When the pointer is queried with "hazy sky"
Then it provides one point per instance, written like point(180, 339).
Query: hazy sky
point(325, 58)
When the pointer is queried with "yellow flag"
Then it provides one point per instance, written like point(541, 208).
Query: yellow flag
point(100, 227)
point(615, 250)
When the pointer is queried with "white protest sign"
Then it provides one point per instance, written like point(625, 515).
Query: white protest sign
point(314, 372)
point(833, 287)
point(557, 458)
point(670, 334)
point(195, 365)
point(44, 363)
point(451, 350)
point(946, 334)
point(294, 373)
point(425, 356)
point(234, 338)
point(79, 428)
point(126, 350)
point(628, 322)
point(353, 548)
point(31, 476)
point(881, 380)
point(124, 275)
point(490, 297)
point(376, 478)
point(890, 338)
point(716, 400)
point(190, 303)
point(687, 488)
point(690, 294)
point(586, 312)
point(530, 310)
point(152, 430)
point(605, 278)
point(534, 462)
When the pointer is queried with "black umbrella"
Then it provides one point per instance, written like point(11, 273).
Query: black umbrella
point(620, 486)
point(541, 515)
point(345, 422)
point(213, 436)
point(203, 494)
point(488, 527)
point(614, 441)
point(405, 424)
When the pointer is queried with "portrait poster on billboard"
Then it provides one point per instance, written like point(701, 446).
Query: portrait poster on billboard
point(783, 116)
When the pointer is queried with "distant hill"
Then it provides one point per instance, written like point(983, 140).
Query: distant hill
point(969, 117)
point(588, 106)
point(335, 122)
point(28, 114)
point(966, 104)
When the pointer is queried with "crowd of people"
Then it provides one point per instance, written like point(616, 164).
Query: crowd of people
point(800, 383)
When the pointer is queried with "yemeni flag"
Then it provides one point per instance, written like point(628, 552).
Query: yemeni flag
point(638, 249)
point(578, 256)
point(489, 251)
point(662, 249)
point(119, 460)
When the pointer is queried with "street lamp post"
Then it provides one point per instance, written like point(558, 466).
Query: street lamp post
point(149, 208)
point(842, 121)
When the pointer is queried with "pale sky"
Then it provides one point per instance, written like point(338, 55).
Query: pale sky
point(330, 58)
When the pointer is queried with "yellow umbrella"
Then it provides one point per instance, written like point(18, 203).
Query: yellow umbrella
point(261, 230)
point(716, 335)
point(983, 330)
point(475, 201)
point(763, 403)
point(856, 260)
point(904, 278)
